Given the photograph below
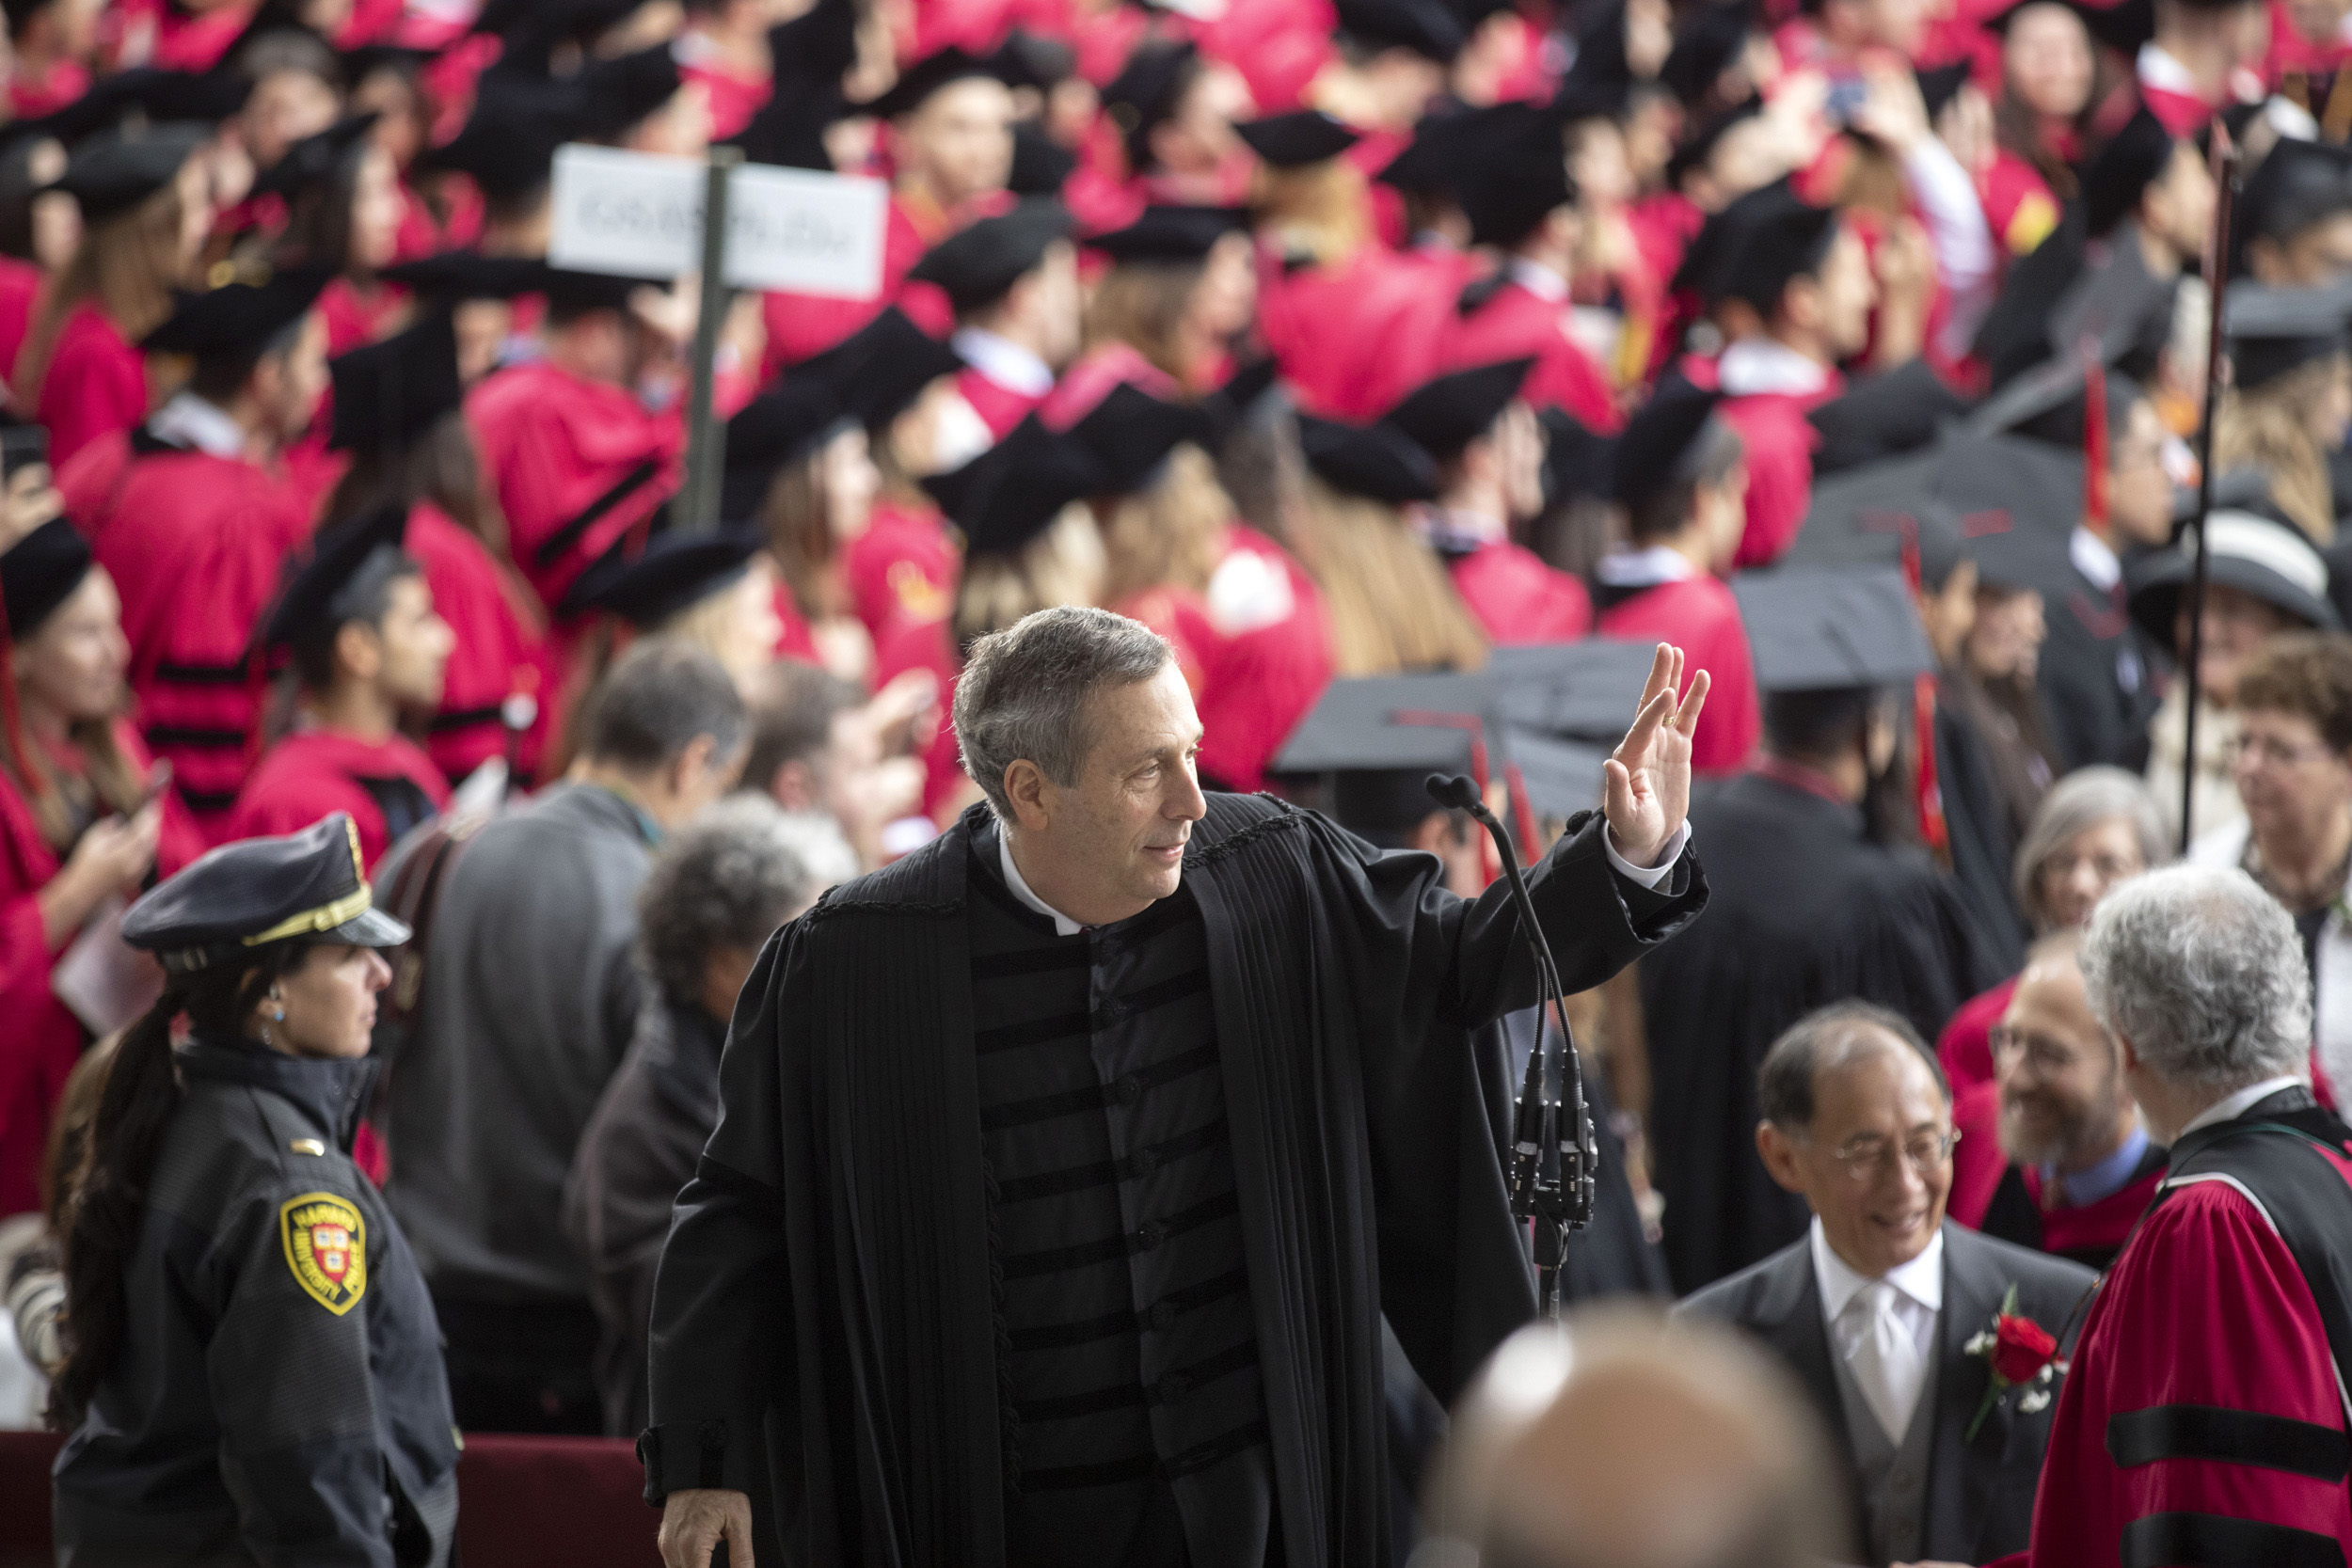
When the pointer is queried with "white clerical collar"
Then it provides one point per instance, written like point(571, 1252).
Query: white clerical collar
point(2239, 1104)
point(1538, 280)
point(1003, 361)
point(1921, 1279)
point(2095, 558)
point(2156, 69)
point(1063, 924)
point(1761, 365)
point(1645, 568)
point(188, 421)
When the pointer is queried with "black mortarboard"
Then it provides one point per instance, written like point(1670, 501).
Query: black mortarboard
point(1438, 156)
point(1940, 86)
point(1517, 172)
point(1705, 45)
point(2017, 559)
point(812, 52)
point(1578, 461)
point(1146, 91)
point(979, 263)
point(1427, 28)
point(1699, 143)
point(1561, 776)
point(1171, 233)
point(673, 571)
point(322, 584)
point(1009, 493)
point(459, 274)
point(1040, 165)
point(237, 318)
point(1376, 461)
point(1706, 268)
point(2299, 184)
point(2234, 490)
point(1826, 628)
point(1882, 416)
point(2276, 331)
point(572, 293)
point(2251, 551)
point(307, 887)
point(787, 421)
point(2133, 159)
point(1779, 237)
point(1296, 139)
point(2036, 483)
point(617, 93)
point(1601, 51)
point(1656, 448)
point(507, 146)
point(1130, 432)
point(314, 158)
point(1588, 689)
point(1443, 416)
point(368, 59)
point(115, 172)
point(881, 368)
point(388, 393)
point(1590, 92)
point(2123, 28)
point(929, 74)
point(1360, 726)
point(39, 573)
point(1872, 516)
point(174, 97)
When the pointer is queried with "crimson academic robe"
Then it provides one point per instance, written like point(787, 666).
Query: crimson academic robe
point(2202, 1420)
point(500, 647)
point(823, 1336)
point(194, 544)
point(356, 318)
point(1518, 322)
point(575, 465)
point(928, 646)
point(389, 786)
point(42, 1040)
point(800, 326)
point(19, 289)
point(1351, 339)
point(902, 568)
point(999, 407)
point(1780, 441)
point(30, 98)
point(96, 384)
point(1698, 615)
point(734, 100)
point(1517, 597)
point(2088, 1233)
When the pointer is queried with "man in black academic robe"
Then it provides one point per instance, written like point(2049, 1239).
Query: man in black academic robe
point(831, 1331)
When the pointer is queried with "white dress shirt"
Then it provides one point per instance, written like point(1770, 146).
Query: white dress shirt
point(2245, 1100)
point(188, 421)
point(1003, 361)
point(1918, 1298)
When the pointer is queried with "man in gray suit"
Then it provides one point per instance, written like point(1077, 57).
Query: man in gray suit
point(1876, 1308)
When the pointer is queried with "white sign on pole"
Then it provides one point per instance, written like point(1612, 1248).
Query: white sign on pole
point(638, 214)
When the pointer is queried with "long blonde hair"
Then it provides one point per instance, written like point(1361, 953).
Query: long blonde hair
point(1392, 606)
point(1320, 210)
point(797, 514)
point(1063, 566)
point(2269, 428)
point(1168, 535)
point(127, 266)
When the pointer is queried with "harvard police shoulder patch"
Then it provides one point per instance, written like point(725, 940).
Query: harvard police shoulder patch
point(326, 1247)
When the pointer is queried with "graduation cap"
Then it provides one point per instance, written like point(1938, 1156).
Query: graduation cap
point(2249, 551)
point(1699, 142)
point(2133, 159)
point(2035, 484)
point(1515, 172)
point(1129, 433)
point(1587, 690)
point(1888, 414)
point(1661, 440)
point(812, 52)
point(314, 159)
point(1707, 45)
point(405, 59)
point(1296, 139)
point(928, 75)
point(1886, 515)
point(881, 368)
point(460, 274)
point(617, 93)
point(237, 318)
point(1360, 739)
point(787, 421)
point(1379, 461)
point(324, 587)
point(1443, 416)
point(2122, 26)
point(2300, 185)
point(2021, 559)
point(39, 573)
point(1561, 776)
point(1437, 157)
point(1778, 238)
point(1040, 165)
point(2234, 490)
point(1170, 233)
point(507, 146)
point(1427, 28)
point(388, 393)
point(1009, 493)
point(1147, 90)
point(979, 263)
point(1578, 460)
point(1826, 628)
point(2276, 331)
point(305, 887)
point(1593, 91)
point(115, 171)
point(154, 96)
point(673, 572)
point(572, 293)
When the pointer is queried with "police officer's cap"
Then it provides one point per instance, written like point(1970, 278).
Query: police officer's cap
point(305, 887)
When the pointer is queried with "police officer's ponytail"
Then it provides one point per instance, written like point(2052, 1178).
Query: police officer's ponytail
point(103, 1211)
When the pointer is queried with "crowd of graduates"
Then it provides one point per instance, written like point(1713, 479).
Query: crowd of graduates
point(1859, 348)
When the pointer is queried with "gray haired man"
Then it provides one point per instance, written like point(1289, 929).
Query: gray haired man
point(2205, 1417)
point(1066, 1168)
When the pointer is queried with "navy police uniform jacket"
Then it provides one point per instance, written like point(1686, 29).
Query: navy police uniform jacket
point(279, 1397)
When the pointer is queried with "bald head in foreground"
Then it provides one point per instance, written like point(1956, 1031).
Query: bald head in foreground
point(1615, 1439)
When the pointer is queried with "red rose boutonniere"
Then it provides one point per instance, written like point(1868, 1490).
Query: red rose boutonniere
point(2021, 1354)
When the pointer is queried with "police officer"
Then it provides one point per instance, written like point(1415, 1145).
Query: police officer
point(253, 1371)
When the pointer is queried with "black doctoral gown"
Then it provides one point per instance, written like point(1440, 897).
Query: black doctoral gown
point(823, 1334)
point(1805, 911)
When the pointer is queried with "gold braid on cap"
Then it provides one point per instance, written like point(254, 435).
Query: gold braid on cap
point(326, 916)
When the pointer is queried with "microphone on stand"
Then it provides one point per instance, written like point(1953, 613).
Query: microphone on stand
point(1551, 1164)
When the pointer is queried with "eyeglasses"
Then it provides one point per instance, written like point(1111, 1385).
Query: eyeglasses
point(2272, 752)
point(1868, 1159)
point(2047, 1055)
